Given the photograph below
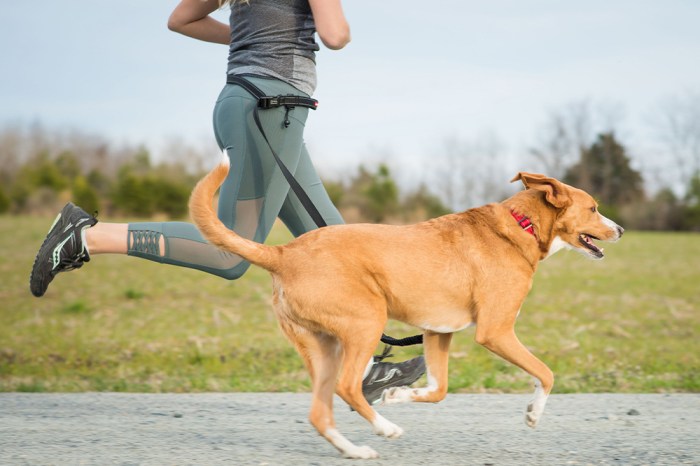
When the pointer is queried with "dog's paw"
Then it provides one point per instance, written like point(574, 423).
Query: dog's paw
point(385, 428)
point(396, 395)
point(532, 416)
point(360, 453)
point(535, 408)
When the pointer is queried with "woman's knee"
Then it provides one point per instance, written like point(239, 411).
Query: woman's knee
point(234, 273)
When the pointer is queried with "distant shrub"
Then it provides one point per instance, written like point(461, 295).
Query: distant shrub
point(4, 201)
point(84, 195)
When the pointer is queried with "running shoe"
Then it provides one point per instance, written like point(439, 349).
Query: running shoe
point(383, 375)
point(63, 249)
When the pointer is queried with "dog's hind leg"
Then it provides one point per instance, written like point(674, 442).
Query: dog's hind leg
point(322, 355)
point(436, 348)
point(358, 348)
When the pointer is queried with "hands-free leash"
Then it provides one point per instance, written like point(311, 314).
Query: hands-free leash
point(291, 101)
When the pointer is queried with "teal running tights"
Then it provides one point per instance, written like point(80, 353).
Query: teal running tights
point(255, 192)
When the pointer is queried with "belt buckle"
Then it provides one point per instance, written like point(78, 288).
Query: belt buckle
point(268, 102)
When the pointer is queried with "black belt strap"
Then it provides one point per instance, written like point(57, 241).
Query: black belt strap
point(278, 101)
point(266, 101)
point(291, 101)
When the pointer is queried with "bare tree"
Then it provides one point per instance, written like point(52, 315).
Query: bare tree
point(450, 172)
point(194, 159)
point(677, 123)
point(492, 170)
point(568, 130)
point(10, 148)
point(470, 173)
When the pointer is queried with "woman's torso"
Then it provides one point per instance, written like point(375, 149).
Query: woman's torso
point(274, 38)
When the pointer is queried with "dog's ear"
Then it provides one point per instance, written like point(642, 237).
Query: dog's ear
point(555, 191)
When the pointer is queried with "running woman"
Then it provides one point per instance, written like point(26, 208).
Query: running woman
point(272, 44)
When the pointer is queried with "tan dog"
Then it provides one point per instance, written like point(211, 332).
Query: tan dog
point(335, 288)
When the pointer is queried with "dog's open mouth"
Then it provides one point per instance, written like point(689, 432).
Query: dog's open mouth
point(587, 241)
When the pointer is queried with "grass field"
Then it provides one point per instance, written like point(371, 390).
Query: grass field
point(629, 323)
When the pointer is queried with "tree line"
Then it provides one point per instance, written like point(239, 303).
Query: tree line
point(40, 169)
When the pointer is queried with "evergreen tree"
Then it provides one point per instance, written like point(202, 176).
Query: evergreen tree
point(422, 204)
point(691, 214)
point(131, 195)
point(4, 201)
point(169, 197)
point(84, 195)
point(604, 171)
point(381, 195)
point(68, 165)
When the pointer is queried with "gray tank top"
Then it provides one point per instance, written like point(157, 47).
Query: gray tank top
point(274, 38)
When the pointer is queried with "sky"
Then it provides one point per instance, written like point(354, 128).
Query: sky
point(416, 74)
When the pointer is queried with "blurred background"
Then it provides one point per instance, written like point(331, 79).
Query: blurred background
point(432, 108)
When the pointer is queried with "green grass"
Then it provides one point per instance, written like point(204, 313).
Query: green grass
point(629, 323)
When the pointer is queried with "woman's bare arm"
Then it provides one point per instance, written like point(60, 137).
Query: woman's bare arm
point(191, 18)
point(331, 25)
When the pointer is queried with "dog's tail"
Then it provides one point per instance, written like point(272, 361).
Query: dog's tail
point(215, 232)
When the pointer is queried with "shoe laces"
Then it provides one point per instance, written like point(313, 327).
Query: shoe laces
point(385, 354)
point(71, 263)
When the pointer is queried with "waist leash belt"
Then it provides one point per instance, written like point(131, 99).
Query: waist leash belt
point(291, 101)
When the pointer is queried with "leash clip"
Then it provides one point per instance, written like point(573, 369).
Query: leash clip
point(269, 102)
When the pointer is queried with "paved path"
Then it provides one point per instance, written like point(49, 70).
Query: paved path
point(271, 429)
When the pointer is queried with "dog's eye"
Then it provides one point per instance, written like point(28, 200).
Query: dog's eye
point(593, 209)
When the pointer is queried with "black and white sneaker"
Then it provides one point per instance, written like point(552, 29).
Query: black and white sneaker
point(63, 249)
point(385, 375)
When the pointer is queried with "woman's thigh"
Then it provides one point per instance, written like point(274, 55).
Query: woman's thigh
point(294, 214)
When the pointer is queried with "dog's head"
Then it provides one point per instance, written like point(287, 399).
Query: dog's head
point(578, 222)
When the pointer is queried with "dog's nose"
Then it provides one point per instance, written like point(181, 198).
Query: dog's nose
point(620, 230)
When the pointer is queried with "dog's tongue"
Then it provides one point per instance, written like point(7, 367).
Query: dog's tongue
point(589, 242)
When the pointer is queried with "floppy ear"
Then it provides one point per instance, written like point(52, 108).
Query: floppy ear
point(555, 191)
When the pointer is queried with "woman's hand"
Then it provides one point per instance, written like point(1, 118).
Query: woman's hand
point(331, 25)
point(191, 18)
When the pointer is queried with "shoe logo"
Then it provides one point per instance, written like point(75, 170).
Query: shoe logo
point(392, 372)
point(56, 256)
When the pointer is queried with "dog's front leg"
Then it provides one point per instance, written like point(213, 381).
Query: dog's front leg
point(436, 347)
point(503, 342)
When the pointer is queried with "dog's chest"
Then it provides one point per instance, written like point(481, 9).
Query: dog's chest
point(446, 327)
point(444, 320)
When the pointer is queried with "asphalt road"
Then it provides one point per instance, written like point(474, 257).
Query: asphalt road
point(271, 429)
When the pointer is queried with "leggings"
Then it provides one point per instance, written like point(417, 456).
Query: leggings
point(255, 192)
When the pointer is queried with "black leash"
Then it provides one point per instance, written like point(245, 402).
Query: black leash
point(291, 101)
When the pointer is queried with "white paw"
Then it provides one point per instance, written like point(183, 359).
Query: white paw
point(531, 417)
point(386, 428)
point(361, 453)
point(535, 408)
point(396, 395)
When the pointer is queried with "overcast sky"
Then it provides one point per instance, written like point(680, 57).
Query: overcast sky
point(415, 74)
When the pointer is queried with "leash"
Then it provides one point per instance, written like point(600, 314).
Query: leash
point(290, 101)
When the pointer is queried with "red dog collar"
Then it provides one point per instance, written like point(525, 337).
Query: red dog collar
point(524, 222)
